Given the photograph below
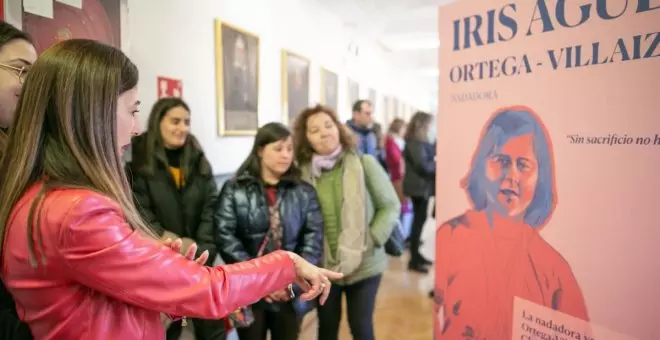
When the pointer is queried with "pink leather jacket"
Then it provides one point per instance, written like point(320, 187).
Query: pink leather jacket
point(103, 280)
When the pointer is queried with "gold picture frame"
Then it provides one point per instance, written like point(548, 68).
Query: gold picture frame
point(291, 110)
point(353, 91)
point(373, 98)
point(325, 76)
point(387, 109)
point(241, 118)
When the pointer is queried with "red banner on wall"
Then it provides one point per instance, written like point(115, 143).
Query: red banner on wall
point(168, 87)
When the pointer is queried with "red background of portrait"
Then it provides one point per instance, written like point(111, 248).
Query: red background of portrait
point(97, 20)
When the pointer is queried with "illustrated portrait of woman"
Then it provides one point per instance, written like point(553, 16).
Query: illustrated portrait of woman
point(494, 251)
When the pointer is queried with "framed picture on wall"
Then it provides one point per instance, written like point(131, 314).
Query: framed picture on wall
point(387, 111)
point(329, 89)
point(93, 19)
point(237, 80)
point(373, 99)
point(353, 93)
point(396, 112)
point(295, 85)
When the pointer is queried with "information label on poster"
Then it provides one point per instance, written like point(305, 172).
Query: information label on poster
point(547, 161)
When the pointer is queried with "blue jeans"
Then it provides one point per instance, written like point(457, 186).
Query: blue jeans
point(360, 304)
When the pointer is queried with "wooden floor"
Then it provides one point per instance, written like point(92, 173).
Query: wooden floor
point(403, 308)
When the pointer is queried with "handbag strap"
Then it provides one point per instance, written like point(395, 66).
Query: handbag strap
point(275, 226)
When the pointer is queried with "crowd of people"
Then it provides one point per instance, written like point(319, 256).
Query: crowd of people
point(94, 248)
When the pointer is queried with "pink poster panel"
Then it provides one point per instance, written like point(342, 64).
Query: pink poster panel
point(548, 170)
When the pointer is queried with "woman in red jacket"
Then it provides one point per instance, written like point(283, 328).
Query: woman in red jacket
point(393, 155)
point(76, 256)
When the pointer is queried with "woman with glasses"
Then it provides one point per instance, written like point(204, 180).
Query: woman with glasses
point(16, 56)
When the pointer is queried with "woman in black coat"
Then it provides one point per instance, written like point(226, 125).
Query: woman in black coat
point(419, 180)
point(266, 207)
point(175, 190)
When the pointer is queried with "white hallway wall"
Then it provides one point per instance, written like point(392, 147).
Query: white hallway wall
point(175, 38)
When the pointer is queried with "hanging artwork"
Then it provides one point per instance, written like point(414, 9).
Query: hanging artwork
point(329, 89)
point(237, 78)
point(295, 85)
point(353, 92)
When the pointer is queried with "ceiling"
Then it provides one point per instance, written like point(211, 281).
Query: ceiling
point(406, 30)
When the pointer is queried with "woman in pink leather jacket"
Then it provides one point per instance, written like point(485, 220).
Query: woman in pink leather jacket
point(76, 256)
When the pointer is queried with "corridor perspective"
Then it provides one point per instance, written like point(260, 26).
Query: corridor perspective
point(430, 169)
point(258, 146)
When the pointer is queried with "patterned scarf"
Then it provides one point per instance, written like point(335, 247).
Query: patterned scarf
point(273, 239)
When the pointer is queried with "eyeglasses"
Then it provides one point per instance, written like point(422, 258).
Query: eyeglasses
point(20, 72)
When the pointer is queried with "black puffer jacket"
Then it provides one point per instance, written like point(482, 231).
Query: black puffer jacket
point(242, 219)
point(187, 212)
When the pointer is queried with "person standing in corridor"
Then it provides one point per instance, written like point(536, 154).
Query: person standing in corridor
point(175, 190)
point(362, 125)
point(419, 180)
point(17, 54)
point(360, 209)
point(266, 207)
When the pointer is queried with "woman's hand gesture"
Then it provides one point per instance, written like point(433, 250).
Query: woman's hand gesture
point(190, 253)
point(314, 281)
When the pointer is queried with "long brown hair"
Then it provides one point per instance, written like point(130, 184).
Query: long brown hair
point(303, 150)
point(416, 129)
point(65, 130)
point(395, 126)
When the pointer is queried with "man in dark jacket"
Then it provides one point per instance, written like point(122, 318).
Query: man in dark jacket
point(362, 125)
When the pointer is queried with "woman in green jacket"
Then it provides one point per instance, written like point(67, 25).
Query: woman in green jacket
point(360, 209)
